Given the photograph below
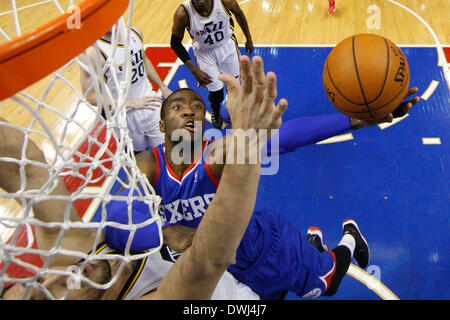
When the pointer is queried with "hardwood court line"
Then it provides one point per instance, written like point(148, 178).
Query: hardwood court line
point(371, 282)
point(429, 91)
point(442, 61)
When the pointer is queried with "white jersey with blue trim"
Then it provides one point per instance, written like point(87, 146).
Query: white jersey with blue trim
point(149, 272)
point(140, 85)
point(211, 31)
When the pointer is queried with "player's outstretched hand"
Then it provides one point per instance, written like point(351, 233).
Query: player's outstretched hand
point(251, 106)
point(400, 111)
point(148, 102)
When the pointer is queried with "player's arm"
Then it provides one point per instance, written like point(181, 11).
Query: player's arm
point(196, 272)
point(13, 292)
point(35, 171)
point(304, 131)
point(18, 175)
point(86, 82)
point(151, 71)
point(92, 57)
point(234, 7)
point(153, 76)
point(181, 23)
point(146, 162)
point(292, 135)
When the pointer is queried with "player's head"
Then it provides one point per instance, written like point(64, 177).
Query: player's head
point(98, 271)
point(184, 109)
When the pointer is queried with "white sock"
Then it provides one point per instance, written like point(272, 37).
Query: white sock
point(348, 241)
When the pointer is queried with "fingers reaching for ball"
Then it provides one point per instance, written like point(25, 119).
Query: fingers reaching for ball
point(405, 106)
point(399, 112)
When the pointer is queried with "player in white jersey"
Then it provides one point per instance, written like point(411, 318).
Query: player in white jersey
point(201, 268)
point(139, 278)
point(210, 25)
point(142, 101)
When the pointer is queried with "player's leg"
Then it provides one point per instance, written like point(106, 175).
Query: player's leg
point(207, 62)
point(331, 6)
point(361, 253)
point(136, 122)
point(228, 61)
point(315, 236)
point(215, 99)
point(154, 137)
point(351, 245)
point(228, 57)
point(146, 131)
point(273, 257)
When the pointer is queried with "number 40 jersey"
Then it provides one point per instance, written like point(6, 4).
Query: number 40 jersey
point(213, 30)
point(215, 46)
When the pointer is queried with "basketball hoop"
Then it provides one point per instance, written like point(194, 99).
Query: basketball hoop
point(92, 155)
point(42, 51)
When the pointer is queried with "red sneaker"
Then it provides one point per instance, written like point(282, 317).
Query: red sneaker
point(315, 237)
point(331, 6)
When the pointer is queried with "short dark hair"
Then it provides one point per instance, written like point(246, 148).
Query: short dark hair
point(166, 101)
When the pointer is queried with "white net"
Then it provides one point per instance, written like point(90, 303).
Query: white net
point(90, 155)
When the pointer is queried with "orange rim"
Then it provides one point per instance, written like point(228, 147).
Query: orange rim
point(29, 58)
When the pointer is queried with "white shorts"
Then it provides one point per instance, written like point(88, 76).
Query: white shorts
point(224, 59)
point(143, 128)
point(229, 288)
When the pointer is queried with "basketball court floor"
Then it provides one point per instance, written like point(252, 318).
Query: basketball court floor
point(392, 179)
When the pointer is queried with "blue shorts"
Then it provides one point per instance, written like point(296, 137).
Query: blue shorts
point(272, 257)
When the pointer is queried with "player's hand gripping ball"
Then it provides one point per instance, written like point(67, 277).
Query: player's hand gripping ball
point(366, 76)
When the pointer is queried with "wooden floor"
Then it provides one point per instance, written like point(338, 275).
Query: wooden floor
point(270, 21)
point(307, 21)
point(289, 22)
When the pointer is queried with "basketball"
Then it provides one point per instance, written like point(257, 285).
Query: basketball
point(366, 76)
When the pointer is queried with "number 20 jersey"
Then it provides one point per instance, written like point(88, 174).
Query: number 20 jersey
point(210, 31)
point(140, 85)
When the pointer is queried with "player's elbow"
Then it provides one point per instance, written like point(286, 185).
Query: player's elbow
point(222, 262)
point(212, 263)
point(212, 269)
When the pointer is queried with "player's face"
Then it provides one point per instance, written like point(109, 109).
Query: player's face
point(184, 111)
point(201, 4)
point(98, 271)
